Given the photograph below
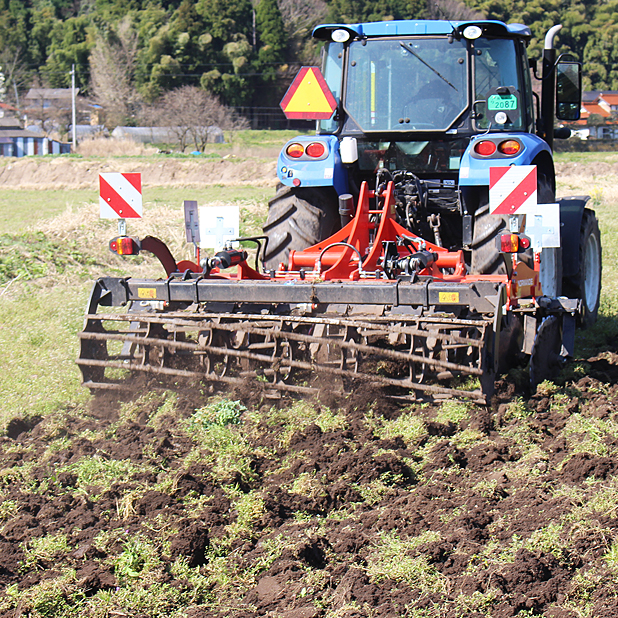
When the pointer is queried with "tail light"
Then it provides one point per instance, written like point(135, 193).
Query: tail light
point(509, 147)
point(295, 150)
point(485, 148)
point(513, 243)
point(124, 245)
point(315, 149)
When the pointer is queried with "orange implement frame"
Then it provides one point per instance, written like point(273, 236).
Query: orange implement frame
point(338, 255)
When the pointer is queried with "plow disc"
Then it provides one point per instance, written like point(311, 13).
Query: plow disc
point(404, 356)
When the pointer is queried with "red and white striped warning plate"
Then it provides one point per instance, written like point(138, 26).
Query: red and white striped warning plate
point(510, 188)
point(120, 195)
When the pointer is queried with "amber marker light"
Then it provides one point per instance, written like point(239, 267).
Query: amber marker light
point(513, 243)
point(509, 147)
point(123, 245)
point(295, 150)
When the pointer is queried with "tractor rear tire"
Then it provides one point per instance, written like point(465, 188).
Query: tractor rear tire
point(298, 218)
point(486, 259)
point(586, 284)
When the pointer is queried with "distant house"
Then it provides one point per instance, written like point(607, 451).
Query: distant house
point(48, 99)
point(599, 115)
point(51, 108)
point(18, 142)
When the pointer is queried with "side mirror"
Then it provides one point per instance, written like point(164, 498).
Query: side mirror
point(568, 90)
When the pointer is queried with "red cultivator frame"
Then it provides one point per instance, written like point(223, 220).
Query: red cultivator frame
point(373, 304)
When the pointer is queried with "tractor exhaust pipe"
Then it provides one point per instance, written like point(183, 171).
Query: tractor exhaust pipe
point(548, 88)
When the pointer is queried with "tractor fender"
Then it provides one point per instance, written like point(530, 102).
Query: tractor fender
point(474, 168)
point(571, 213)
point(307, 171)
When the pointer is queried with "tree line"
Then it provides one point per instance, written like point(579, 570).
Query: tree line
point(129, 53)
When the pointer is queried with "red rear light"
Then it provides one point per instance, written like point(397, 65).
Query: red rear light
point(509, 243)
point(295, 151)
point(315, 149)
point(124, 245)
point(513, 243)
point(509, 147)
point(485, 148)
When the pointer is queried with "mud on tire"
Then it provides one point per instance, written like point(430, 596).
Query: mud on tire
point(486, 259)
point(586, 284)
point(297, 219)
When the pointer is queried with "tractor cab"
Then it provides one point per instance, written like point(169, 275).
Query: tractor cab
point(439, 80)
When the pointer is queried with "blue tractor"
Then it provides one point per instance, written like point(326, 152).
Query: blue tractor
point(432, 106)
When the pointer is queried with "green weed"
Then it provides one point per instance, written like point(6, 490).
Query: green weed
point(611, 557)
point(453, 411)
point(8, 509)
point(101, 473)
point(156, 600)
point(517, 409)
point(42, 551)
point(302, 413)
point(249, 509)
point(220, 413)
point(409, 426)
point(309, 485)
point(51, 598)
point(139, 557)
point(391, 559)
point(32, 255)
point(590, 435)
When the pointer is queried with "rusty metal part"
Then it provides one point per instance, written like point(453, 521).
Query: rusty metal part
point(405, 356)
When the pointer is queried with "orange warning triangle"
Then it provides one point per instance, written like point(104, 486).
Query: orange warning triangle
point(309, 97)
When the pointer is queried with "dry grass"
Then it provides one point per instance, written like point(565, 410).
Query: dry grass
point(109, 147)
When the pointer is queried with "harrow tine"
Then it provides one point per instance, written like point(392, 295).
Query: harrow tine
point(235, 347)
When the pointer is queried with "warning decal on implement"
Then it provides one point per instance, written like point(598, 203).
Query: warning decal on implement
point(512, 187)
point(120, 195)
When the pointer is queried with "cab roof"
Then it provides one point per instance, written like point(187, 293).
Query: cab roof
point(422, 27)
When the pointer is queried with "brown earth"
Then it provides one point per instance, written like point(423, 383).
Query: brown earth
point(490, 510)
point(69, 173)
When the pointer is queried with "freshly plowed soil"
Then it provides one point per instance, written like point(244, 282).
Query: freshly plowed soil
point(363, 510)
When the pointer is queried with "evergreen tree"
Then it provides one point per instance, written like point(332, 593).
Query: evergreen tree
point(270, 29)
point(354, 11)
point(70, 44)
point(271, 41)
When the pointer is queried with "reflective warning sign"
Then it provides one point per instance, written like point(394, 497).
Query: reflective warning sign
point(120, 195)
point(511, 188)
point(309, 97)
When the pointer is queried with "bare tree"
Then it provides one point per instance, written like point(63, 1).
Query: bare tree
point(451, 9)
point(299, 17)
point(300, 14)
point(112, 66)
point(190, 113)
point(15, 72)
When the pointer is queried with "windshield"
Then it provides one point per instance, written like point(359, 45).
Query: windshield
point(406, 84)
point(495, 65)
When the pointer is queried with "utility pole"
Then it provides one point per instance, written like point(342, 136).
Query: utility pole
point(73, 105)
